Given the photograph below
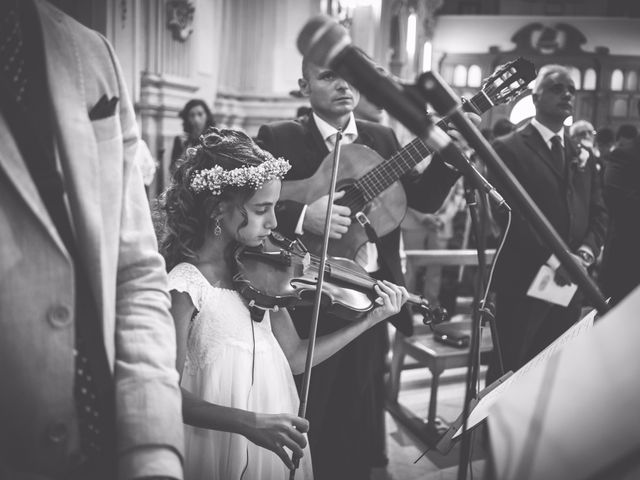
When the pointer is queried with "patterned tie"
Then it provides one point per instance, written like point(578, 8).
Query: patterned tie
point(557, 152)
point(12, 53)
point(88, 407)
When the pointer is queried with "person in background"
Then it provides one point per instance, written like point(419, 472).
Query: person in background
point(431, 231)
point(502, 126)
point(604, 141)
point(567, 190)
point(196, 117)
point(87, 351)
point(620, 270)
point(584, 137)
point(302, 111)
point(625, 135)
point(236, 362)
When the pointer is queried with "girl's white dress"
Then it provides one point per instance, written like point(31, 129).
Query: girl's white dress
point(236, 362)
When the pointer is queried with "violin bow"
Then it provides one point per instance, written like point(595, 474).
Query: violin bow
point(306, 378)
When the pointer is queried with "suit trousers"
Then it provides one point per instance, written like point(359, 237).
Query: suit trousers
point(526, 326)
point(345, 408)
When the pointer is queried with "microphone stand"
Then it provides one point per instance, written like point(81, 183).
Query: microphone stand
point(444, 100)
point(473, 364)
point(306, 378)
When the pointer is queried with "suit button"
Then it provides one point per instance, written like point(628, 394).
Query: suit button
point(57, 432)
point(59, 316)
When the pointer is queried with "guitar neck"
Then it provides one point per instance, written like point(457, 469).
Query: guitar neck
point(391, 170)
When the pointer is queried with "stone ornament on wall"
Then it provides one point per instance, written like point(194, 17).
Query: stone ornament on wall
point(549, 40)
point(180, 18)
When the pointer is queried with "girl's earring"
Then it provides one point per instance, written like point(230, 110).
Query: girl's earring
point(217, 230)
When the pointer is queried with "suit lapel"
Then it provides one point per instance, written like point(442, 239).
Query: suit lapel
point(313, 138)
point(364, 138)
point(534, 142)
point(13, 164)
point(75, 137)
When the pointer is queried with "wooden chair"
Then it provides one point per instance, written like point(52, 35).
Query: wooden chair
point(421, 347)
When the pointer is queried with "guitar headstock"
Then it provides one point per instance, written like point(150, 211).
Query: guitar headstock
point(509, 81)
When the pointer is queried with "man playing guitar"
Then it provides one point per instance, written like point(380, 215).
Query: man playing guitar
point(340, 410)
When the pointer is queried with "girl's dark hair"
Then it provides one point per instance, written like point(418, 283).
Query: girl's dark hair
point(184, 114)
point(183, 217)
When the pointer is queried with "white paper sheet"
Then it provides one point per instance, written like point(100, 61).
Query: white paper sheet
point(545, 288)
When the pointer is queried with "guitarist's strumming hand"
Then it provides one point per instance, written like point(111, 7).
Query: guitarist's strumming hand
point(316, 212)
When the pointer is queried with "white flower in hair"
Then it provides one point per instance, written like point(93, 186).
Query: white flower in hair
point(216, 178)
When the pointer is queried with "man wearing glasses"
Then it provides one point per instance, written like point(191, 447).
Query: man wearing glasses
point(565, 186)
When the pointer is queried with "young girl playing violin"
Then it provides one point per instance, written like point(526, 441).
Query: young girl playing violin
point(239, 397)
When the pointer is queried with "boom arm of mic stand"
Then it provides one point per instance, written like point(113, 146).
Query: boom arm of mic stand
point(444, 100)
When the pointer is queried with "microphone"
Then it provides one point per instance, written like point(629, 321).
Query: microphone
point(326, 43)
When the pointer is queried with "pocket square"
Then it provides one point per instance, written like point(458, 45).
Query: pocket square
point(104, 108)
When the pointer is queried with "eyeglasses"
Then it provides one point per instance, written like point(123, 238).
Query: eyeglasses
point(559, 88)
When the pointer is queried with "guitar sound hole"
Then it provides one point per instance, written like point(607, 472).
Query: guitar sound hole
point(353, 199)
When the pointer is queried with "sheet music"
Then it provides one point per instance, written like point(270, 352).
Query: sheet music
point(481, 410)
point(574, 418)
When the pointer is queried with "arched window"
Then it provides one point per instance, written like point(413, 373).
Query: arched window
point(576, 77)
point(427, 56)
point(617, 79)
point(460, 76)
point(589, 79)
point(619, 108)
point(474, 77)
point(631, 82)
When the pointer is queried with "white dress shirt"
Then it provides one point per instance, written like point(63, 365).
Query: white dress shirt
point(367, 256)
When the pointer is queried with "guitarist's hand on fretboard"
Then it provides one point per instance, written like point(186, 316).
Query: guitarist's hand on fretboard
point(314, 218)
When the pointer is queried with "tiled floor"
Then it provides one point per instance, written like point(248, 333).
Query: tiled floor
point(404, 449)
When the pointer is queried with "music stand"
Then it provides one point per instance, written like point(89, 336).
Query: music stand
point(454, 433)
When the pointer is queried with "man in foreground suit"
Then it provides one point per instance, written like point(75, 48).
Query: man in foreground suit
point(87, 351)
point(342, 409)
point(565, 187)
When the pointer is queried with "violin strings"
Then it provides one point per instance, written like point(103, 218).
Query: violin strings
point(345, 270)
point(340, 268)
point(363, 276)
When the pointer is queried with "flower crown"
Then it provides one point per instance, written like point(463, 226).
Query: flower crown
point(216, 178)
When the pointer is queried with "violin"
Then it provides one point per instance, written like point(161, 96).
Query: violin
point(281, 273)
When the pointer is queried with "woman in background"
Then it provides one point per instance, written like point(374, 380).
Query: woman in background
point(196, 118)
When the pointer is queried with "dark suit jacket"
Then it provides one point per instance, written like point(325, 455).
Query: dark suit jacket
point(621, 259)
point(300, 142)
point(571, 201)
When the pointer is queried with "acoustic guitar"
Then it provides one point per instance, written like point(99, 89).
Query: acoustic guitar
point(378, 194)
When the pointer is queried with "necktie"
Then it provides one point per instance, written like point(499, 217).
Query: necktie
point(12, 53)
point(557, 153)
